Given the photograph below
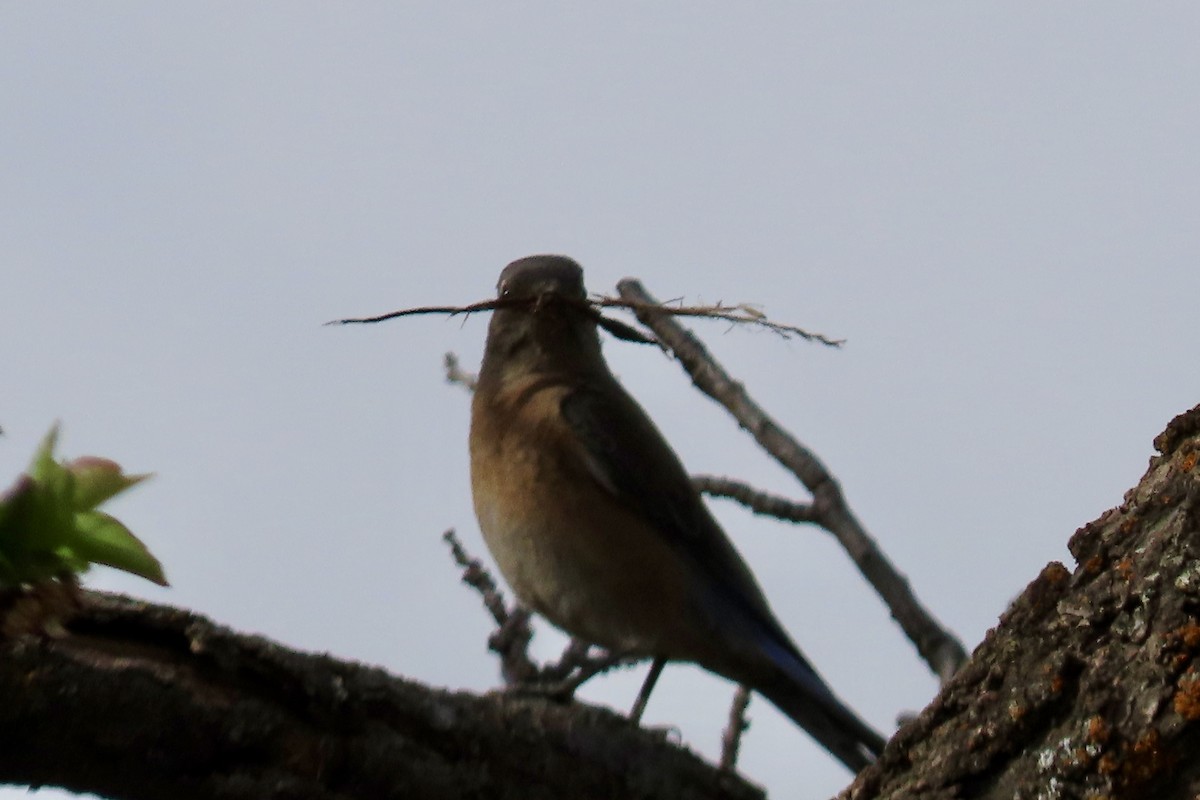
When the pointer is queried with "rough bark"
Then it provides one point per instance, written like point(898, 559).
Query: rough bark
point(140, 701)
point(1089, 686)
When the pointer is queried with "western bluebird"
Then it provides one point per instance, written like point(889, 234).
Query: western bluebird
point(594, 523)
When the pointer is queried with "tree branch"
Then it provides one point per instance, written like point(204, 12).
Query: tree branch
point(759, 502)
point(142, 701)
point(1090, 684)
point(936, 645)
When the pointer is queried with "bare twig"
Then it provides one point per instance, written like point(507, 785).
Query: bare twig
point(940, 649)
point(511, 639)
point(560, 679)
point(581, 660)
point(743, 313)
point(573, 656)
point(731, 739)
point(476, 576)
point(453, 311)
point(770, 505)
point(456, 374)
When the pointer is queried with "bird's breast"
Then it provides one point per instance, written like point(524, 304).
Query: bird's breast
point(566, 545)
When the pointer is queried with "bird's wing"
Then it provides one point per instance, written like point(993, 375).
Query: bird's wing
point(625, 453)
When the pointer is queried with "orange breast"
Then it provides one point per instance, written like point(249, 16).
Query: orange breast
point(566, 546)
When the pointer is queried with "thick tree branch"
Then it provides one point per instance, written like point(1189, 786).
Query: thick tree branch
point(140, 701)
point(829, 508)
point(1090, 684)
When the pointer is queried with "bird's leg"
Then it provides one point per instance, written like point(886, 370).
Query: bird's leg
point(639, 705)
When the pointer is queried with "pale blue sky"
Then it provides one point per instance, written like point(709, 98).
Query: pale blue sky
point(994, 203)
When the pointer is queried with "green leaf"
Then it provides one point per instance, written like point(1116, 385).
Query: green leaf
point(28, 529)
point(96, 480)
point(49, 526)
point(105, 540)
point(44, 465)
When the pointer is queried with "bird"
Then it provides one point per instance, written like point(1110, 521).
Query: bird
point(593, 522)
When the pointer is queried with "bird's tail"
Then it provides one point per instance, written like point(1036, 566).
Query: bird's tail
point(801, 694)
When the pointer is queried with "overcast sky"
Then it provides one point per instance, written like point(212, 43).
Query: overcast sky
point(995, 204)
